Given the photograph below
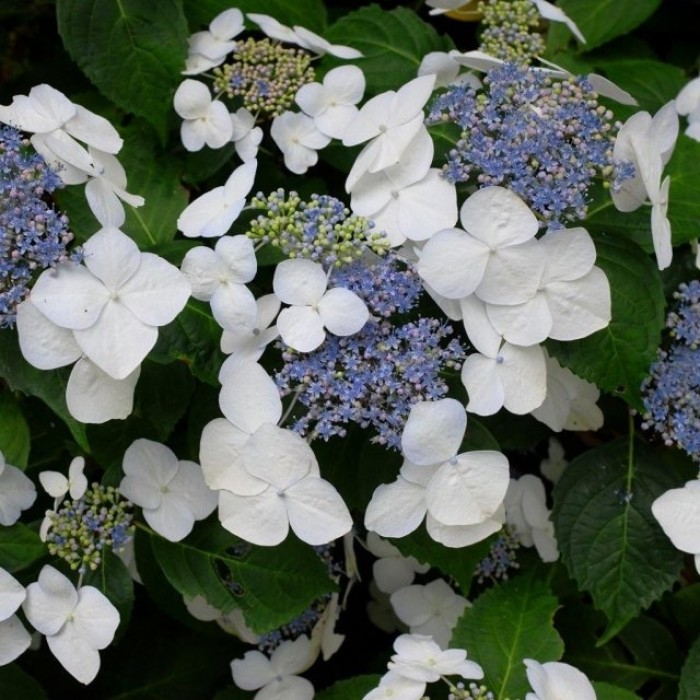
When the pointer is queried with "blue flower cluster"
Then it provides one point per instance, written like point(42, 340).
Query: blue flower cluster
point(501, 558)
point(374, 377)
point(671, 393)
point(33, 235)
point(544, 138)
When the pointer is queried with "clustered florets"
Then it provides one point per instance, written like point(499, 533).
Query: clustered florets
point(265, 75)
point(374, 377)
point(545, 139)
point(501, 559)
point(511, 30)
point(322, 229)
point(33, 235)
point(80, 530)
point(671, 392)
point(461, 691)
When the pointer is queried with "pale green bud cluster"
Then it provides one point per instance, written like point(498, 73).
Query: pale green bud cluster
point(81, 529)
point(511, 30)
point(472, 692)
point(321, 229)
point(265, 75)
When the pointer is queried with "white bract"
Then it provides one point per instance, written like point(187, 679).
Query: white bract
point(113, 304)
point(393, 685)
point(284, 489)
point(392, 570)
point(58, 485)
point(528, 515)
point(206, 121)
point(419, 658)
point(332, 104)
point(77, 623)
point(389, 122)
point(313, 308)
point(432, 609)
point(496, 257)
point(219, 276)
point(276, 678)
point(57, 125)
point(299, 139)
point(14, 639)
point(410, 199)
point(557, 681)
point(648, 143)
point(552, 467)
point(513, 377)
point(171, 492)
point(17, 492)
point(678, 513)
point(213, 213)
point(461, 494)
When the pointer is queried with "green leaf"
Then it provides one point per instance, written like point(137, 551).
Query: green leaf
point(645, 652)
point(20, 547)
point(617, 358)
point(112, 578)
point(609, 540)
point(684, 206)
point(307, 13)
point(194, 338)
point(505, 625)
point(652, 83)
point(457, 563)
point(606, 691)
point(270, 585)
point(49, 386)
point(133, 51)
point(393, 43)
point(14, 432)
point(15, 684)
point(690, 675)
point(163, 395)
point(349, 689)
point(603, 20)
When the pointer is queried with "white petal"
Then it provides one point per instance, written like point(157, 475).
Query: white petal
point(249, 397)
point(343, 313)
point(524, 376)
point(119, 342)
point(149, 467)
point(238, 254)
point(482, 380)
point(570, 254)
point(433, 431)
point(513, 274)
point(203, 269)
point(14, 640)
point(192, 99)
point(50, 601)
point(461, 535)
point(396, 509)
point(95, 618)
point(17, 493)
point(55, 484)
point(69, 296)
point(317, 513)
point(13, 594)
point(678, 513)
point(453, 263)
point(555, 679)
point(104, 203)
point(94, 130)
point(157, 292)
point(427, 206)
point(112, 257)
point(227, 24)
point(301, 328)
point(75, 654)
point(556, 14)
point(579, 308)
point(469, 489)
point(172, 520)
point(233, 305)
point(260, 519)
point(522, 324)
point(482, 335)
point(497, 217)
point(253, 671)
point(44, 344)
point(189, 485)
point(299, 281)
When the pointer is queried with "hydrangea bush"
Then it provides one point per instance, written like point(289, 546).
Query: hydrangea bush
point(349, 350)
